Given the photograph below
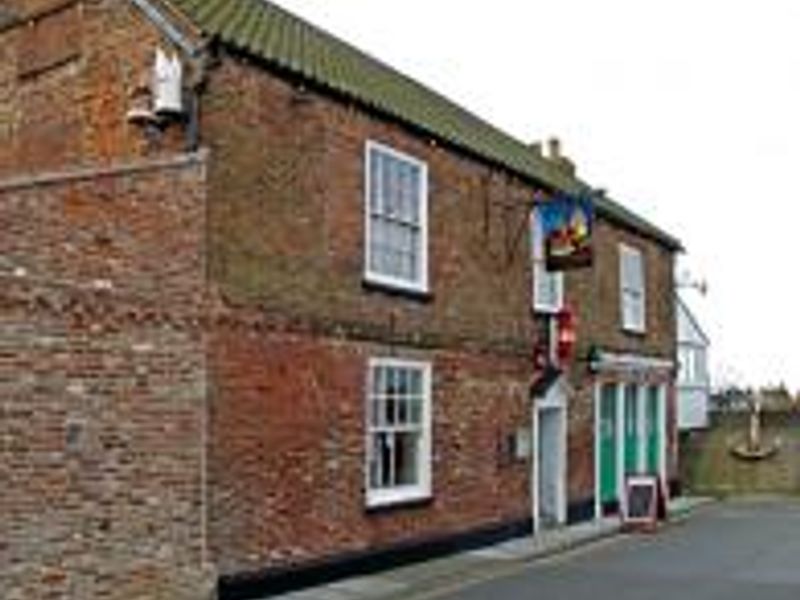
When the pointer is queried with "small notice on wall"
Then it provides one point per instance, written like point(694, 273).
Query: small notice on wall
point(642, 497)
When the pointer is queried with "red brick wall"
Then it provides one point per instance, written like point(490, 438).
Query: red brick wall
point(286, 201)
point(288, 448)
point(599, 321)
point(102, 374)
point(124, 370)
point(66, 79)
point(286, 224)
point(594, 294)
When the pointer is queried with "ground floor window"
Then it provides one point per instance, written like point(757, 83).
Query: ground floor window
point(398, 431)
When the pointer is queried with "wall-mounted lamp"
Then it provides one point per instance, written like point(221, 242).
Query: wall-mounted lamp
point(593, 359)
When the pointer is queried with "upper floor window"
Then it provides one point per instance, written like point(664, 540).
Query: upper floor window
point(396, 219)
point(632, 289)
point(548, 287)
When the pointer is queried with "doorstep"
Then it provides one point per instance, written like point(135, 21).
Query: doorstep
point(424, 578)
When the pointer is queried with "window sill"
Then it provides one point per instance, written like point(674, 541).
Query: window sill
point(395, 289)
point(389, 502)
point(634, 332)
point(546, 310)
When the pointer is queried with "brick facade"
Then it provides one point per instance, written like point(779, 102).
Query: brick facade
point(599, 326)
point(102, 348)
point(67, 74)
point(102, 368)
point(184, 337)
point(286, 206)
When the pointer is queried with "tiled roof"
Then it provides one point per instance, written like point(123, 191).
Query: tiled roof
point(268, 32)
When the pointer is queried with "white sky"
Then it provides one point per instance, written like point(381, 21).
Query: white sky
point(687, 111)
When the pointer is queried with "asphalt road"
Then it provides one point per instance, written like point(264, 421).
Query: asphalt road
point(748, 550)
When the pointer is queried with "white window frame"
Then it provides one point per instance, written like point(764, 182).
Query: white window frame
point(630, 294)
point(422, 490)
point(539, 270)
point(421, 284)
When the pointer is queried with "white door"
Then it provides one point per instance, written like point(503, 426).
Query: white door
point(550, 466)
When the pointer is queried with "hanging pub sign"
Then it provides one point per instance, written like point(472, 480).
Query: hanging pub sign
point(567, 224)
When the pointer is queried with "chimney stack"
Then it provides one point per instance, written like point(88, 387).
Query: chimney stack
point(556, 158)
point(554, 149)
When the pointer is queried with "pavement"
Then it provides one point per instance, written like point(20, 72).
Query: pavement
point(743, 549)
point(450, 575)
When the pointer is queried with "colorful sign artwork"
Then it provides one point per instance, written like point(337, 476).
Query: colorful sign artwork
point(567, 227)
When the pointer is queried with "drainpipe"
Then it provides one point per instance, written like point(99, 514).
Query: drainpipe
point(166, 26)
point(200, 64)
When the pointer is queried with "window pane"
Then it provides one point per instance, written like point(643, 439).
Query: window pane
point(390, 409)
point(374, 472)
point(402, 411)
point(632, 273)
point(403, 198)
point(404, 239)
point(415, 382)
point(415, 411)
point(374, 417)
point(386, 451)
point(388, 246)
point(386, 185)
point(375, 182)
point(638, 272)
point(377, 236)
point(402, 382)
point(415, 198)
point(405, 455)
point(378, 377)
point(377, 461)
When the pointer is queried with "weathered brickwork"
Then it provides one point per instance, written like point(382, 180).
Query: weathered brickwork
point(599, 321)
point(184, 338)
point(286, 214)
point(103, 385)
point(288, 433)
point(287, 194)
point(67, 75)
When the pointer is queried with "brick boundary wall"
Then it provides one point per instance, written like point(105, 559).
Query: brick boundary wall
point(103, 383)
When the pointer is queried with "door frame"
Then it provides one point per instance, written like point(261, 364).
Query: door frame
point(642, 441)
point(556, 400)
point(663, 396)
point(619, 418)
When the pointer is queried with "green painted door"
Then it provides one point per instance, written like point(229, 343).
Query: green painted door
point(654, 430)
point(631, 428)
point(608, 443)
